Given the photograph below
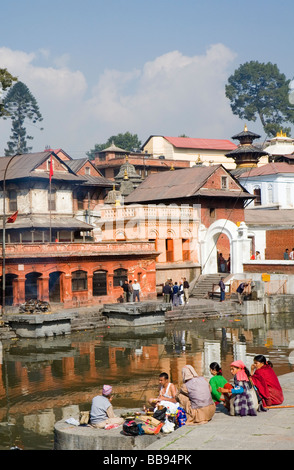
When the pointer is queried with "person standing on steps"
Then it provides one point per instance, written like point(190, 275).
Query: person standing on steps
point(222, 289)
point(186, 290)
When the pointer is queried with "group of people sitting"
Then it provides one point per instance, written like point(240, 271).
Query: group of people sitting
point(249, 393)
point(176, 293)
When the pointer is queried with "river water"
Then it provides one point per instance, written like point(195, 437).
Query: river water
point(45, 380)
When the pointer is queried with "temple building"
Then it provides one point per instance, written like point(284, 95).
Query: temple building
point(280, 148)
point(110, 160)
point(246, 155)
point(50, 253)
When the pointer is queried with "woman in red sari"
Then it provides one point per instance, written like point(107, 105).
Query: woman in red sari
point(266, 381)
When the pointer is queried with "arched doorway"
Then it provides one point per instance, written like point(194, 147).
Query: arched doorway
point(238, 241)
point(9, 278)
point(54, 286)
point(31, 286)
point(223, 249)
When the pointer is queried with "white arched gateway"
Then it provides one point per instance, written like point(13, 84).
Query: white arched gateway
point(239, 245)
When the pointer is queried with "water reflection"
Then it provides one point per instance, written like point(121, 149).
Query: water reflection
point(45, 380)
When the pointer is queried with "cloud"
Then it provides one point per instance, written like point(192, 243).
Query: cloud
point(170, 95)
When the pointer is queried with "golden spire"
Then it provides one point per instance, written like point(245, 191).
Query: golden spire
point(281, 134)
point(126, 175)
point(172, 168)
point(245, 128)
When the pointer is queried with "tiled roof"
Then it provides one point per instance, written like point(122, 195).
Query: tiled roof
point(269, 169)
point(204, 144)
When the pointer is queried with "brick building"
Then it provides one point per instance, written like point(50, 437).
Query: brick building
point(49, 251)
point(220, 199)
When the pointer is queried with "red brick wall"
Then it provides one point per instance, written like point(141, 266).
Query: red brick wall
point(269, 268)
point(277, 241)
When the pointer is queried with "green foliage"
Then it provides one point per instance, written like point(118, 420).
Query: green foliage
point(6, 80)
point(126, 141)
point(258, 90)
point(20, 105)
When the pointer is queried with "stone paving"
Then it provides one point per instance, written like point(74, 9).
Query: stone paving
point(271, 430)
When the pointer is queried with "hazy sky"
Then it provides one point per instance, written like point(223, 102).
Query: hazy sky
point(101, 67)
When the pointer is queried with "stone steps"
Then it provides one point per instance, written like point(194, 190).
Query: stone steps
point(205, 284)
point(203, 310)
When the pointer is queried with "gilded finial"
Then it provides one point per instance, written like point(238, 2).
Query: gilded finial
point(126, 175)
point(172, 168)
point(281, 134)
point(245, 128)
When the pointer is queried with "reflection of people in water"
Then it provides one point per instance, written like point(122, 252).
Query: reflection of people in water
point(180, 341)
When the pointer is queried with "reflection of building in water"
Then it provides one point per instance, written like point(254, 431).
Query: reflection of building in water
point(212, 353)
point(239, 351)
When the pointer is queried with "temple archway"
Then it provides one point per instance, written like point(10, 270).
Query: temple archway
point(238, 241)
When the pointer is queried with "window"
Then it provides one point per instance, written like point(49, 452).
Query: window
point(52, 200)
point(79, 281)
point(87, 170)
point(119, 277)
point(270, 194)
point(12, 195)
point(212, 213)
point(224, 182)
point(186, 249)
point(80, 200)
point(257, 193)
point(169, 247)
point(99, 283)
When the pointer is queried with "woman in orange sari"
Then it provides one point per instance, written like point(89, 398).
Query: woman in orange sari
point(266, 381)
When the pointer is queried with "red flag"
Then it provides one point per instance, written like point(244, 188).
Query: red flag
point(51, 169)
point(12, 218)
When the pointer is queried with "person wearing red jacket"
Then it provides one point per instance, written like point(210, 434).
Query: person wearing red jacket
point(266, 381)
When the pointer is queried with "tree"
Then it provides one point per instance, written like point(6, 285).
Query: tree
point(126, 141)
point(20, 105)
point(6, 80)
point(258, 90)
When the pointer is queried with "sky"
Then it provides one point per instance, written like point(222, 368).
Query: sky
point(158, 67)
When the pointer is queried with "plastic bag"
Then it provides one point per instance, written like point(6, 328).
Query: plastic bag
point(168, 427)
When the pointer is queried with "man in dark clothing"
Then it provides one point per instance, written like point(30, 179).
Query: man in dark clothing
point(222, 289)
point(240, 290)
point(125, 288)
point(186, 290)
point(166, 291)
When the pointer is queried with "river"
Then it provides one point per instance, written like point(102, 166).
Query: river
point(45, 380)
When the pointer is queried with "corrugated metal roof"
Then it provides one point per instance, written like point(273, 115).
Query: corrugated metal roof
point(278, 217)
point(43, 221)
point(25, 165)
point(169, 185)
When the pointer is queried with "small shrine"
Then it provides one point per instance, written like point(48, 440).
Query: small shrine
point(246, 155)
point(127, 178)
point(280, 146)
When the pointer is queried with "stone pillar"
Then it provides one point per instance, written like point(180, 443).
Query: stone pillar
point(43, 288)
point(19, 290)
point(66, 294)
point(161, 248)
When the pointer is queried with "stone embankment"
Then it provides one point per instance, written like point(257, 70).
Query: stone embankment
point(270, 430)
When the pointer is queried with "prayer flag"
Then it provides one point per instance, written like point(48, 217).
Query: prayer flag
point(12, 218)
point(51, 169)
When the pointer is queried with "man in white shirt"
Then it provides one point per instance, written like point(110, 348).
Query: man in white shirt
point(136, 291)
point(291, 256)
